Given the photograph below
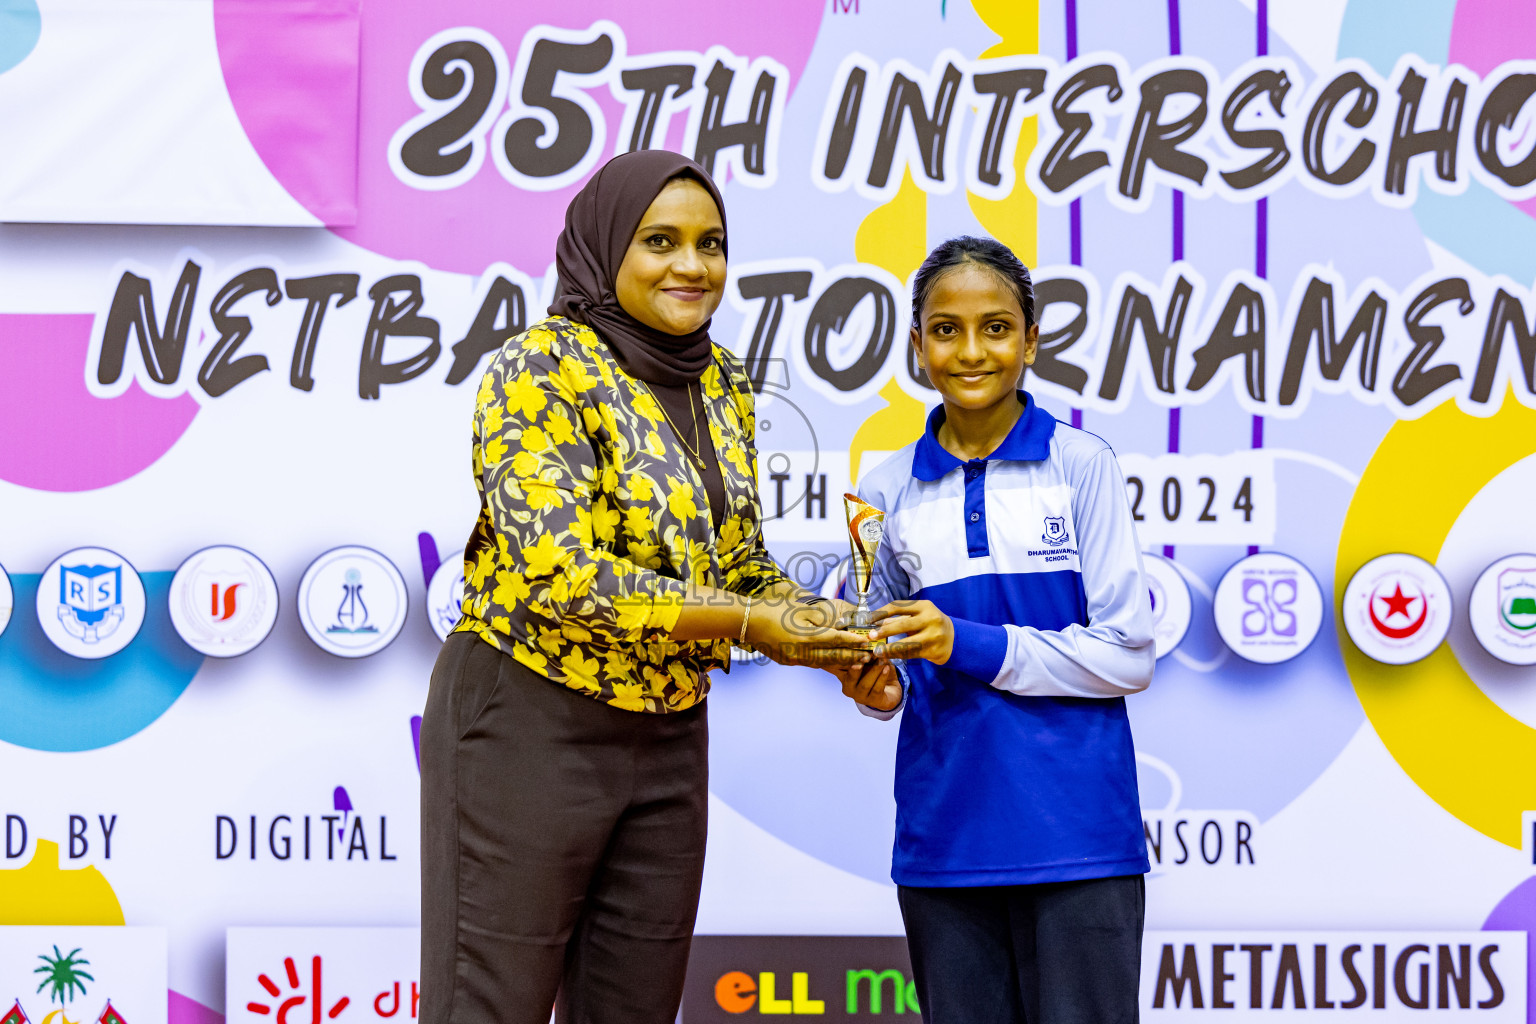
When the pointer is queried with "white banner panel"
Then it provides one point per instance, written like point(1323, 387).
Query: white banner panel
point(310, 975)
point(71, 974)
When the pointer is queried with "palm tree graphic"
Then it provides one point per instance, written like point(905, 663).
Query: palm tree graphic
point(63, 975)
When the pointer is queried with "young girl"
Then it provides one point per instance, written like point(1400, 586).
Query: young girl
point(1012, 573)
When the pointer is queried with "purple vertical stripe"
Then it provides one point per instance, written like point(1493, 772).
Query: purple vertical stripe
point(1261, 240)
point(1261, 219)
point(1075, 218)
point(429, 557)
point(1178, 226)
point(1174, 46)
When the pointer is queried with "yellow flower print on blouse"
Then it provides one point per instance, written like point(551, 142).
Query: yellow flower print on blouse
point(581, 671)
point(729, 537)
point(680, 499)
point(560, 428)
point(511, 588)
point(629, 696)
point(637, 521)
point(592, 518)
point(544, 491)
point(524, 397)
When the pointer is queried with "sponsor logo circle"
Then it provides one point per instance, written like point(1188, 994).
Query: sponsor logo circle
point(1502, 609)
point(352, 601)
point(1397, 608)
point(445, 597)
point(7, 599)
point(1268, 608)
point(90, 602)
point(1172, 607)
point(223, 601)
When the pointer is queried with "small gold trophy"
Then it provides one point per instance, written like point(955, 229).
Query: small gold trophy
point(866, 527)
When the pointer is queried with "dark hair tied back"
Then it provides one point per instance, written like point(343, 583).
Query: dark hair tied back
point(986, 252)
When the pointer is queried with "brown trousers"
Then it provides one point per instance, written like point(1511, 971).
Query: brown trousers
point(562, 848)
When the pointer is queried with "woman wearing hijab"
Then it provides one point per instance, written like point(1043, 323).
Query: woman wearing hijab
point(617, 554)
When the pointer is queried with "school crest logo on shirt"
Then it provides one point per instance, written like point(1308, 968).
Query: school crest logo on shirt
point(1055, 530)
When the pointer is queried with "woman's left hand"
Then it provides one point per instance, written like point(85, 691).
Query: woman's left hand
point(929, 632)
point(791, 633)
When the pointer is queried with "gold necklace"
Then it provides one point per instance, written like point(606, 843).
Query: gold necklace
point(695, 451)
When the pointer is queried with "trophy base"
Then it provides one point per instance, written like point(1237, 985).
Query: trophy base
point(864, 632)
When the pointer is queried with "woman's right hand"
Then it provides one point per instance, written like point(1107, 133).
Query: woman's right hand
point(791, 633)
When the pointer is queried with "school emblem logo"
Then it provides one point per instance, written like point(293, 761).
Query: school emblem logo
point(1397, 609)
point(1517, 601)
point(224, 601)
point(445, 597)
point(7, 602)
point(1268, 608)
point(90, 603)
point(1172, 608)
point(1503, 609)
point(352, 602)
point(1055, 530)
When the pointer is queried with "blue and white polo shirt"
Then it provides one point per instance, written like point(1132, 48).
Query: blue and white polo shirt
point(1015, 764)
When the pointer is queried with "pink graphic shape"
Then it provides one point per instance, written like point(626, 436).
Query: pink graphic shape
point(488, 219)
point(186, 1010)
point(60, 437)
point(1485, 34)
point(291, 67)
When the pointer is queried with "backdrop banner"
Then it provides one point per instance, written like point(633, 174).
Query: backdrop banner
point(255, 255)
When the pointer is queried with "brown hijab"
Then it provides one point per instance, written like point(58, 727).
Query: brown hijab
point(599, 225)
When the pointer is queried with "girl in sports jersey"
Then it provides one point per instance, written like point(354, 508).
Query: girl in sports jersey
point(1011, 576)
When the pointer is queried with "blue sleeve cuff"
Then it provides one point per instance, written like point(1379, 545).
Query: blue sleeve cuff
point(979, 649)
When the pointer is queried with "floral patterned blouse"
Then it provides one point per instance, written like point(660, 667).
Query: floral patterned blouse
point(592, 517)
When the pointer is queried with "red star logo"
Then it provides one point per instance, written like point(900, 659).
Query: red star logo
point(1398, 604)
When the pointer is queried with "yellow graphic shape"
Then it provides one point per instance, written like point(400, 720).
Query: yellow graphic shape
point(893, 237)
point(1464, 751)
point(40, 892)
point(889, 429)
point(59, 1014)
point(1014, 220)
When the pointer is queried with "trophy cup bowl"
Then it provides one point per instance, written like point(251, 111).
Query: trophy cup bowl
point(866, 528)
